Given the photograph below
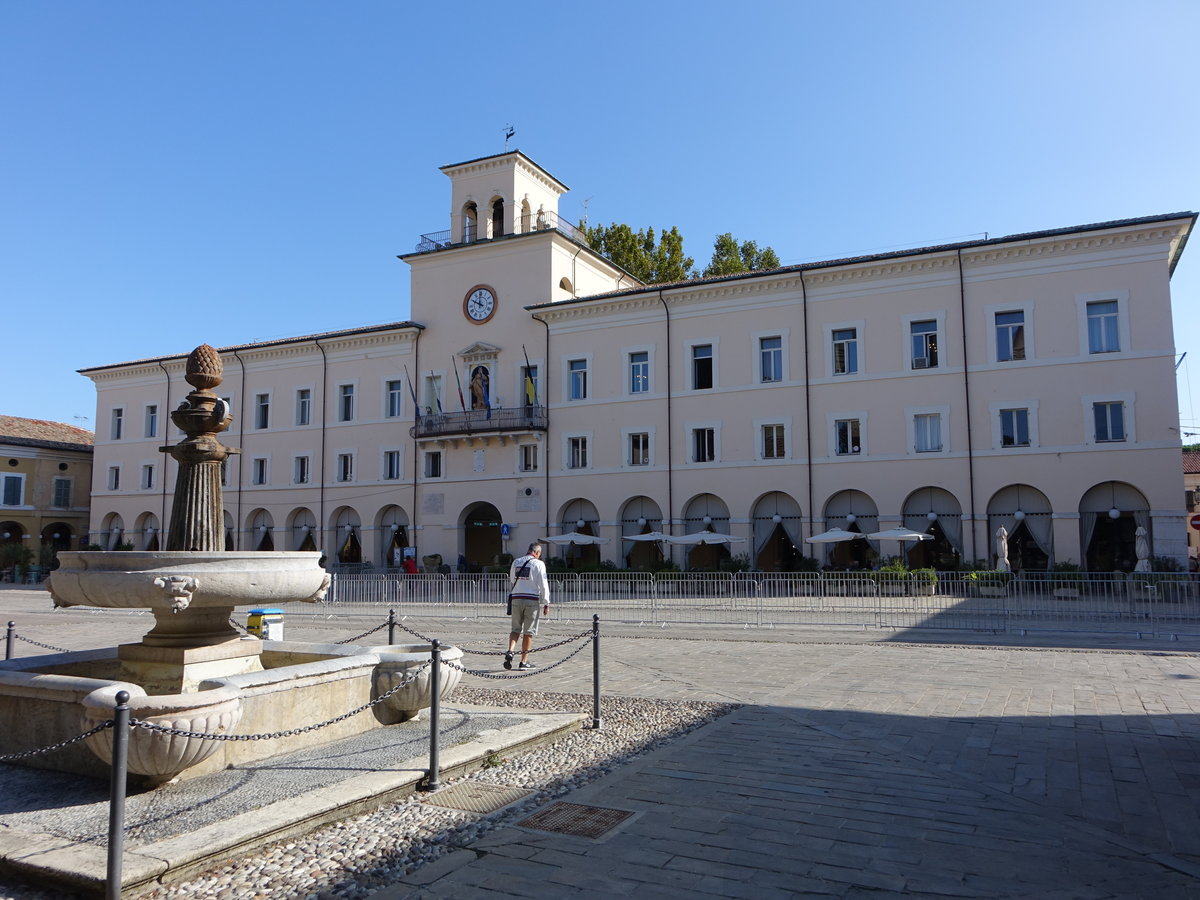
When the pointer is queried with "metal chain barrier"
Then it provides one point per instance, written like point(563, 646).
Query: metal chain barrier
point(26, 754)
point(40, 644)
point(291, 732)
point(495, 652)
point(238, 626)
point(554, 665)
point(365, 634)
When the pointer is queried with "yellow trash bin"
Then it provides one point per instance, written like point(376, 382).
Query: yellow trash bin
point(266, 624)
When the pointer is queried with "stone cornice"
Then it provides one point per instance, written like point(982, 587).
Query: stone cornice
point(514, 159)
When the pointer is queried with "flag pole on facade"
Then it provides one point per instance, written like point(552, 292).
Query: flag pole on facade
point(437, 394)
point(461, 402)
point(530, 387)
point(412, 392)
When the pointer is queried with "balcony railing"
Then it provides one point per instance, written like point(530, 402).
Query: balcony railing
point(543, 221)
point(480, 421)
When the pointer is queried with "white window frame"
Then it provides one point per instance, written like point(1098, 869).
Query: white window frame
point(690, 429)
point(297, 462)
point(910, 415)
point(347, 401)
point(995, 409)
point(539, 387)
point(393, 410)
point(304, 405)
point(990, 312)
point(522, 453)
point(756, 339)
point(345, 466)
point(568, 456)
point(262, 421)
point(260, 470)
point(860, 327)
point(690, 348)
point(943, 346)
point(433, 391)
point(760, 437)
point(19, 477)
point(54, 483)
point(386, 455)
point(628, 352)
point(427, 459)
point(568, 373)
point(146, 480)
point(1123, 332)
point(1127, 401)
point(150, 418)
point(831, 422)
point(112, 478)
point(116, 424)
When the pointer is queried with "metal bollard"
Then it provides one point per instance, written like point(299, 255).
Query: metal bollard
point(596, 671)
point(8, 641)
point(435, 690)
point(116, 799)
point(391, 626)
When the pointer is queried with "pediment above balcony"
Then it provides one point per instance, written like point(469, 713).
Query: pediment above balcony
point(480, 351)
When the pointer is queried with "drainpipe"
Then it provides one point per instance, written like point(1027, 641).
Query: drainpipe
point(574, 291)
point(237, 522)
point(546, 396)
point(415, 443)
point(670, 426)
point(324, 428)
point(808, 464)
point(165, 418)
point(962, 306)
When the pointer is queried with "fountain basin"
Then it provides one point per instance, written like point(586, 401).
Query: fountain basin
point(398, 662)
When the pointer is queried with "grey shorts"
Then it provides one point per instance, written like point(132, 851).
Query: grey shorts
point(525, 615)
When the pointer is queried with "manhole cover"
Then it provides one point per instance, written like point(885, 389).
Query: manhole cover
point(577, 820)
point(471, 796)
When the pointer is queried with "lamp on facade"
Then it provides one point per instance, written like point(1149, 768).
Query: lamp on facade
point(1114, 513)
point(851, 518)
point(931, 516)
point(579, 523)
point(708, 520)
point(777, 518)
point(641, 520)
point(1019, 515)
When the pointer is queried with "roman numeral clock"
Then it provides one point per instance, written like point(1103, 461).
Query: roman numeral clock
point(479, 305)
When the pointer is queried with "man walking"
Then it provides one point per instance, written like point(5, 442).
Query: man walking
point(530, 592)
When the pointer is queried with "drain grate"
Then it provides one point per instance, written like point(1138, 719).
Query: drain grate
point(575, 819)
point(477, 797)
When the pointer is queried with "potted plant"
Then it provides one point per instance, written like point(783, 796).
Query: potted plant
point(1065, 576)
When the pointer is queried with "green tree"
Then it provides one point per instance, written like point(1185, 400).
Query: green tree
point(649, 260)
point(729, 257)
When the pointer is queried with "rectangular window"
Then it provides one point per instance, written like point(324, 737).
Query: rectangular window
point(395, 399)
point(1103, 333)
point(118, 424)
point(529, 457)
point(262, 410)
point(847, 437)
point(346, 403)
point(147, 478)
point(927, 433)
point(301, 473)
point(639, 372)
point(1010, 336)
point(14, 490)
point(577, 389)
point(1014, 427)
point(845, 351)
point(433, 464)
point(1110, 421)
point(924, 344)
point(114, 478)
point(258, 471)
point(345, 467)
point(391, 465)
point(303, 406)
point(704, 445)
point(639, 449)
point(62, 493)
point(577, 453)
point(152, 420)
point(770, 359)
point(772, 442)
point(702, 367)
point(529, 384)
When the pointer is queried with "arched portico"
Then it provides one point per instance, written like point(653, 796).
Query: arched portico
point(482, 543)
point(776, 519)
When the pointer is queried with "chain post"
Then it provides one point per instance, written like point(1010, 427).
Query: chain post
point(116, 801)
point(596, 671)
point(435, 690)
point(391, 626)
point(8, 640)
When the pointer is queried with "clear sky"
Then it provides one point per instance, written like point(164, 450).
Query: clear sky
point(225, 172)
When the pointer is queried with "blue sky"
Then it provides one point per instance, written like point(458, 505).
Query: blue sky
point(228, 171)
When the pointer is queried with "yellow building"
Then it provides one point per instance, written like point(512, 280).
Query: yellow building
point(45, 489)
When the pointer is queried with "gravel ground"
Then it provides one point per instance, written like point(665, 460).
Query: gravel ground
point(351, 859)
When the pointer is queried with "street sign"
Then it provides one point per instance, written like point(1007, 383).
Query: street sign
point(506, 530)
point(1195, 521)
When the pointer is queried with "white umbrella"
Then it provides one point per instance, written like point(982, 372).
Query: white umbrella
point(1141, 546)
point(833, 536)
point(705, 537)
point(1002, 549)
point(575, 537)
point(901, 534)
point(648, 536)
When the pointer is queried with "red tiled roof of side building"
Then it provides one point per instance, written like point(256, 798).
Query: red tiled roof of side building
point(1191, 462)
point(40, 433)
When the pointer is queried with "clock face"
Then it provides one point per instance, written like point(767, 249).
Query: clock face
point(479, 304)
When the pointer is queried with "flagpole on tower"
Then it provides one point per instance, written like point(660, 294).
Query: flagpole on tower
point(509, 131)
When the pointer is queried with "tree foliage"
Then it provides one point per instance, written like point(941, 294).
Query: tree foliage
point(648, 260)
point(656, 259)
point(729, 257)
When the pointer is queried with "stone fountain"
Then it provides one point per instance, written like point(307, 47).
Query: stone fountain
point(193, 671)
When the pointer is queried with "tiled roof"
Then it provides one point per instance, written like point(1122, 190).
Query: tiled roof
point(1191, 462)
point(40, 433)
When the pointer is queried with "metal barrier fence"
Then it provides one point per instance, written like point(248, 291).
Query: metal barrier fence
point(952, 601)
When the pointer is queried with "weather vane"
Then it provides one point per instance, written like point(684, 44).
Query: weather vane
point(509, 131)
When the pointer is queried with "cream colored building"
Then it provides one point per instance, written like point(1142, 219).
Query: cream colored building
point(1024, 381)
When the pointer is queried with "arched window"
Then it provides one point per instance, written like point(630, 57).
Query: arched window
point(470, 223)
point(497, 217)
point(526, 216)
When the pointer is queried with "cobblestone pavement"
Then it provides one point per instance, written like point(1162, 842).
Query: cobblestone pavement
point(862, 764)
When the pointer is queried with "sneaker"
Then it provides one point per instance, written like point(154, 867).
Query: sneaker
point(508, 660)
point(526, 665)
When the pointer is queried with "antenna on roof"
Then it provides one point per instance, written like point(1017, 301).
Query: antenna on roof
point(509, 131)
point(583, 222)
